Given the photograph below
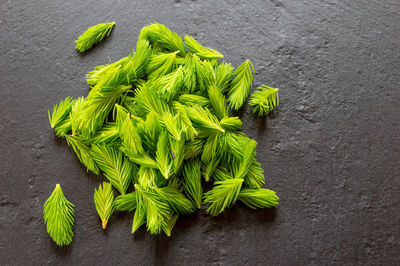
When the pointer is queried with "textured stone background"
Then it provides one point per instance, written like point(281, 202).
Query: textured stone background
point(331, 151)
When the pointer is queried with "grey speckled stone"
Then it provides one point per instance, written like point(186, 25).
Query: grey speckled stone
point(331, 151)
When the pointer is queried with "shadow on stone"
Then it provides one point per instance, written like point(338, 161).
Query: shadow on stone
point(62, 252)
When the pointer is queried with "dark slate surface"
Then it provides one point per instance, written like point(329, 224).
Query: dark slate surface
point(331, 151)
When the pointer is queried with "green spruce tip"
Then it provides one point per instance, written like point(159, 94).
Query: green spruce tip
point(241, 85)
point(125, 203)
point(163, 37)
point(104, 202)
point(201, 51)
point(264, 100)
point(59, 217)
point(115, 166)
point(60, 112)
point(222, 195)
point(258, 198)
point(93, 35)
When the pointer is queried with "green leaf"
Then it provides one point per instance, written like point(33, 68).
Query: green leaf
point(108, 134)
point(205, 74)
point(164, 37)
point(128, 102)
point(60, 112)
point(264, 100)
point(221, 174)
point(104, 202)
point(258, 198)
point(93, 77)
point(194, 100)
point(171, 84)
point(64, 127)
point(132, 144)
point(255, 177)
point(151, 130)
point(93, 35)
point(201, 51)
point(174, 183)
point(114, 76)
point(126, 203)
point(231, 123)
point(218, 102)
point(170, 224)
point(83, 153)
point(210, 149)
point(160, 65)
point(176, 200)
point(149, 101)
point(119, 113)
point(178, 151)
point(241, 85)
point(130, 137)
point(204, 122)
point(192, 181)
point(136, 65)
point(98, 105)
point(187, 126)
point(172, 124)
point(142, 159)
point(75, 115)
point(223, 74)
point(189, 69)
point(231, 145)
point(124, 71)
point(140, 214)
point(222, 195)
point(99, 72)
point(194, 148)
point(59, 217)
point(209, 168)
point(163, 155)
point(116, 168)
point(242, 167)
point(156, 209)
point(147, 177)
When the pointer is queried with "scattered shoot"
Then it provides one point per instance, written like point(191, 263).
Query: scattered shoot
point(93, 35)
point(264, 100)
point(59, 217)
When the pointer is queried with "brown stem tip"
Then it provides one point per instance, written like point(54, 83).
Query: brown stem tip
point(104, 224)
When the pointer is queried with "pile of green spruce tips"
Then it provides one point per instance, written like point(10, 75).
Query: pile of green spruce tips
point(157, 124)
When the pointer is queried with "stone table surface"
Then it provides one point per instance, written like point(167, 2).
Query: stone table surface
point(331, 151)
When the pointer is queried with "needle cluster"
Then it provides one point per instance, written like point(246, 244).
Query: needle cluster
point(59, 217)
point(93, 35)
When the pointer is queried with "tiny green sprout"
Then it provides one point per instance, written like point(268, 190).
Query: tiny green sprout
point(264, 100)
